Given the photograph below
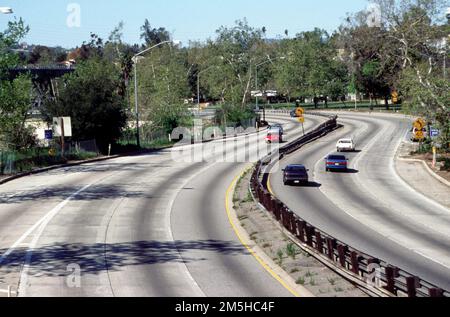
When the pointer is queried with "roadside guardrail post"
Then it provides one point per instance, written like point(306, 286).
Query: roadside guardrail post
point(436, 292)
point(342, 249)
point(411, 286)
point(293, 228)
point(271, 204)
point(301, 230)
point(319, 242)
point(278, 215)
point(331, 244)
point(267, 201)
point(287, 222)
point(286, 217)
point(278, 209)
point(390, 279)
point(310, 231)
point(355, 262)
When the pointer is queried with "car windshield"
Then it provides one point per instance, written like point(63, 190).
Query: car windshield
point(296, 168)
point(337, 158)
point(346, 141)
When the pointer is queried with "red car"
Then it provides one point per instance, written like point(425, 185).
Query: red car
point(274, 137)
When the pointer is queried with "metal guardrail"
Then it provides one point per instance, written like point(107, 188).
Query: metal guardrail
point(359, 265)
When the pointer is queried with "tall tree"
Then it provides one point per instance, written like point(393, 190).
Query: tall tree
point(153, 36)
point(90, 97)
point(15, 98)
point(312, 68)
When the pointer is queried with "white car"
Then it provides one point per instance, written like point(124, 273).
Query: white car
point(345, 145)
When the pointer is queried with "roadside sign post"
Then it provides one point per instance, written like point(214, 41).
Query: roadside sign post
point(62, 127)
point(62, 137)
point(434, 157)
point(301, 119)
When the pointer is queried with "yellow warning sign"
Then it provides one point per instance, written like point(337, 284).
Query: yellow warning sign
point(420, 135)
point(419, 124)
point(395, 97)
point(299, 112)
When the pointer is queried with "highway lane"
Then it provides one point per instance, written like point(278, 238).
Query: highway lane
point(370, 208)
point(237, 275)
point(112, 220)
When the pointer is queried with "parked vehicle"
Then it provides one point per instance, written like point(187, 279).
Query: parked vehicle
point(336, 162)
point(295, 174)
point(345, 145)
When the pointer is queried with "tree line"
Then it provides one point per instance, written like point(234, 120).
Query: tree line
point(398, 50)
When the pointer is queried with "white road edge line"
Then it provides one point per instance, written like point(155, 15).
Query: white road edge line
point(42, 224)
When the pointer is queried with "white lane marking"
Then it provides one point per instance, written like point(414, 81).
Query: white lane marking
point(168, 225)
point(41, 225)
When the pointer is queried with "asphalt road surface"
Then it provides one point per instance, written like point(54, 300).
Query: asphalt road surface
point(143, 225)
point(370, 207)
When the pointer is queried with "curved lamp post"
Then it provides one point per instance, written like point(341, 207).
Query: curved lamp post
point(135, 59)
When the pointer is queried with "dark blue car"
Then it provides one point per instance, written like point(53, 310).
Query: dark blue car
point(336, 162)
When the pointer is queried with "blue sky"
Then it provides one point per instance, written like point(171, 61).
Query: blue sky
point(185, 19)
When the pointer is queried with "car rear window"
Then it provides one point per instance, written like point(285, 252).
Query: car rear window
point(296, 168)
point(336, 157)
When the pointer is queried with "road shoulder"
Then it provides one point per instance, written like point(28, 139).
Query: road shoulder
point(420, 177)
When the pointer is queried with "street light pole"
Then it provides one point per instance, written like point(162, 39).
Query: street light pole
point(256, 87)
point(136, 109)
point(135, 58)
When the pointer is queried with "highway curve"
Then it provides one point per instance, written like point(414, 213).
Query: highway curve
point(370, 207)
point(134, 226)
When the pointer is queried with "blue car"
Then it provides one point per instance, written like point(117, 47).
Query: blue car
point(336, 162)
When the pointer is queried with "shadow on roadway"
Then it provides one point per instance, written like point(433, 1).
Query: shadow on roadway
point(348, 171)
point(93, 193)
point(104, 167)
point(310, 184)
point(52, 260)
